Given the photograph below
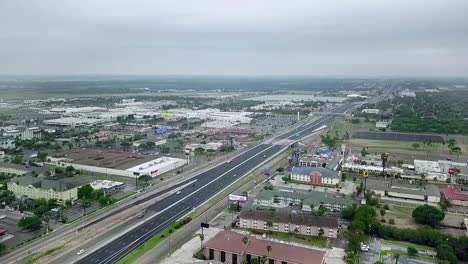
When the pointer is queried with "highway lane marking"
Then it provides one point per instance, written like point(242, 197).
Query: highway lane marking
point(195, 192)
point(314, 123)
point(121, 250)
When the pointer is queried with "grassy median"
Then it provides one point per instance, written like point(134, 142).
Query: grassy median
point(161, 236)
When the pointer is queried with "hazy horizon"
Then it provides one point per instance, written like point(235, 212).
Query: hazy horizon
point(299, 38)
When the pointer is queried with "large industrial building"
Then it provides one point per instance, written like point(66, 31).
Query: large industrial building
point(403, 189)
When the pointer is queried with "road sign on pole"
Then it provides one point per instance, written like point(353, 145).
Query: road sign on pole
point(365, 173)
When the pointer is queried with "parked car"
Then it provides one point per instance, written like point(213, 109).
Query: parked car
point(80, 252)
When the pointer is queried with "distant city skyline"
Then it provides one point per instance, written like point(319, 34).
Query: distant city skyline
point(421, 38)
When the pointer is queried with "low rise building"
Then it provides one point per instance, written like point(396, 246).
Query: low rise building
point(37, 188)
point(315, 176)
point(382, 124)
point(308, 200)
point(108, 187)
point(371, 111)
point(229, 247)
point(404, 189)
point(22, 133)
point(455, 195)
point(7, 142)
point(289, 221)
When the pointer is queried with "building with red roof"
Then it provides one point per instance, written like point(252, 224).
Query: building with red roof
point(455, 195)
point(232, 248)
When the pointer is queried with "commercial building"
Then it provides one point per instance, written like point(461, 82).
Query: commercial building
point(371, 111)
point(207, 146)
point(158, 166)
point(308, 200)
point(37, 187)
point(74, 122)
point(455, 195)
point(286, 221)
point(108, 187)
point(315, 176)
point(382, 124)
point(404, 189)
point(121, 163)
point(23, 133)
point(228, 247)
point(7, 142)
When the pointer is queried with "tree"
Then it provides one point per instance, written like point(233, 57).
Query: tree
point(321, 232)
point(199, 151)
point(210, 152)
point(85, 192)
point(2, 249)
point(104, 201)
point(382, 213)
point(427, 214)
point(268, 248)
point(42, 156)
point(164, 148)
point(412, 251)
point(396, 256)
point(150, 144)
point(347, 213)
point(69, 171)
point(415, 146)
point(30, 223)
point(145, 178)
point(364, 152)
point(85, 203)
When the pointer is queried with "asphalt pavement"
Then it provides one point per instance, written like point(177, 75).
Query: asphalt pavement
point(207, 184)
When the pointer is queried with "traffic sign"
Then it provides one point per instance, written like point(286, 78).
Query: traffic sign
point(365, 173)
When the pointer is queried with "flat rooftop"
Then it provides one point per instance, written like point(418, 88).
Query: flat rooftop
point(108, 159)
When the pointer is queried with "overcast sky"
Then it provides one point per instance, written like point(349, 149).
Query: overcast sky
point(235, 37)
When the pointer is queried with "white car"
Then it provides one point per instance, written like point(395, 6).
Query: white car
point(229, 161)
point(178, 192)
point(2, 216)
point(80, 252)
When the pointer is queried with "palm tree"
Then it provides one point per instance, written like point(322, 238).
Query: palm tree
point(245, 240)
point(396, 256)
point(268, 248)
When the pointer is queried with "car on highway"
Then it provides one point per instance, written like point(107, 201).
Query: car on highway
point(193, 185)
point(229, 161)
point(235, 175)
point(141, 215)
point(80, 252)
point(264, 155)
point(2, 216)
point(178, 192)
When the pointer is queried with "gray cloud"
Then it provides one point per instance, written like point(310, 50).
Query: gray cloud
point(261, 37)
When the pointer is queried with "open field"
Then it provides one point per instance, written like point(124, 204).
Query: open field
point(405, 148)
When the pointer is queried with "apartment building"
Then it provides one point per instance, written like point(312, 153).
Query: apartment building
point(289, 221)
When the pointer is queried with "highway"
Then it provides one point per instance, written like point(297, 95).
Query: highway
point(207, 184)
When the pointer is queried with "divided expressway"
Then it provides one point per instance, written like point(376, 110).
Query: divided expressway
point(207, 184)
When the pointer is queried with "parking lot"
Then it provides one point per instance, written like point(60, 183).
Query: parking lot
point(376, 246)
point(14, 236)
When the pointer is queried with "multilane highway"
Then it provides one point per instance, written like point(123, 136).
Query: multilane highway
point(206, 185)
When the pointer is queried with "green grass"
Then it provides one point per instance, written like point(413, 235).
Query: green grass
point(384, 253)
point(402, 209)
point(302, 239)
point(123, 197)
point(406, 244)
point(35, 257)
point(147, 246)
